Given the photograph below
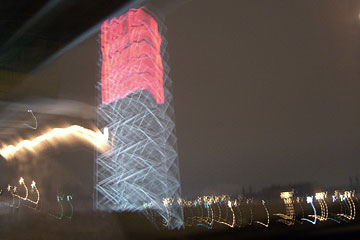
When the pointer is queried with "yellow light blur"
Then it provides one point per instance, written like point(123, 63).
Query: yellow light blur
point(33, 186)
point(320, 196)
point(22, 182)
point(285, 195)
point(97, 139)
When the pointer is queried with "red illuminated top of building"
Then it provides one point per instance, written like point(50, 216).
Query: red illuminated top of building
point(131, 59)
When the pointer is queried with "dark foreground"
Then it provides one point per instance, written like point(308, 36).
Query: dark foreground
point(97, 225)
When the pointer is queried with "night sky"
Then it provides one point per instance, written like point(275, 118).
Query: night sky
point(265, 92)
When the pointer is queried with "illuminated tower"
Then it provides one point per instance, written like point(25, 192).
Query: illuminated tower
point(142, 167)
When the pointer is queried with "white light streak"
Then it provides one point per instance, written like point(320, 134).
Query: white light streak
point(36, 123)
point(310, 200)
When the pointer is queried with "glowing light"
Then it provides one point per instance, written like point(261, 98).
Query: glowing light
point(68, 199)
point(230, 205)
point(167, 202)
point(299, 201)
point(203, 220)
point(285, 195)
point(21, 182)
point(320, 197)
point(347, 198)
point(131, 56)
point(34, 187)
point(142, 166)
point(267, 216)
point(195, 216)
point(209, 220)
point(206, 210)
point(238, 209)
point(95, 138)
point(309, 200)
point(289, 217)
point(248, 202)
point(343, 214)
point(224, 200)
point(342, 197)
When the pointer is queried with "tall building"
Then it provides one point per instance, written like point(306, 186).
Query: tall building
point(141, 170)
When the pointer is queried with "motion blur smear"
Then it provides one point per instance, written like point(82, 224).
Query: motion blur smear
point(266, 106)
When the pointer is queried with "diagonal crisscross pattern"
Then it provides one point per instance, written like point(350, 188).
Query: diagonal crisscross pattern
point(141, 169)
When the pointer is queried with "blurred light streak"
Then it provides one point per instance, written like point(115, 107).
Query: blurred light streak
point(340, 197)
point(167, 202)
point(208, 220)
point(68, 199)
point(210, 215)
point(206, 210)
point(33, 187)
point(324, 213)
point(248, 203)
point(289, 217)
point(267, 215)
point(12, 190)
point(22, 182)
point(237, 203)
point(59, 199)
point(36, 123)
point(347, 198)
point(309, 200)
point(230, 205)
point(97, 139)
point(224, 200)
point(299, 200)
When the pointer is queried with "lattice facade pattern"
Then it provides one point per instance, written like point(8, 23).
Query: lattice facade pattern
point(141, 169)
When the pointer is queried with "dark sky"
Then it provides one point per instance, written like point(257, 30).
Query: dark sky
point(266, 92)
